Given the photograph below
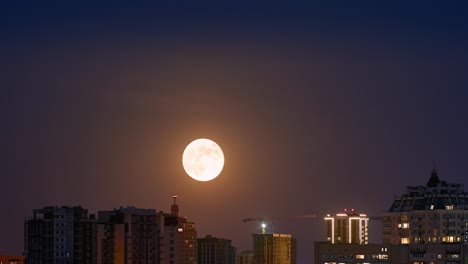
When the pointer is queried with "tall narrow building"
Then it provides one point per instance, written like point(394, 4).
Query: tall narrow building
point(128, 236)
point(349, 227)
point(213, 250)
point(273, 248)
point(178, 237)
point(60, 235)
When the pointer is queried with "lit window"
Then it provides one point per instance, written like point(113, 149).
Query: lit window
point(449, 239)
point(180, 230)
point(405, 240)
point(359, 256)
point(432, 206)
point(382, 256)
point(405, 225)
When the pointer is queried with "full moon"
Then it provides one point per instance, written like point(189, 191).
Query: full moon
point(203, 159)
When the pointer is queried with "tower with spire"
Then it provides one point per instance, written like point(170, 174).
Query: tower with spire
point(433, 213)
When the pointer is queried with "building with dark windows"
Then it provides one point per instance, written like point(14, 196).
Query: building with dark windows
point(212, 250)
point(128, 236)
point(60, 235)
point(270, 248)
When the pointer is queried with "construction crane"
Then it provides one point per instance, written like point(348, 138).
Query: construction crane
point(261, 220)
point(264, 220)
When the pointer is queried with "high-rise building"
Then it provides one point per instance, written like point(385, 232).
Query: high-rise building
point(434, 213)
point(60, 235)
point(212, 250)
point(270, 248)
point(178, 238)
point(128, 236)
point(349, 227)
point(245, 257)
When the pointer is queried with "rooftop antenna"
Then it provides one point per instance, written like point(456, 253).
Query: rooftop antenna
point(174, 207)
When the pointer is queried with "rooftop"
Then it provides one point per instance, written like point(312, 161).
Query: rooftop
point(435, 195)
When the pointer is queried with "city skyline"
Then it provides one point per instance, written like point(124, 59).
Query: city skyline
point(317, 107)
point(266, 224)
point(348, 215)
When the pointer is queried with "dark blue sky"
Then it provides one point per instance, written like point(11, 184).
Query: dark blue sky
point(317, 107)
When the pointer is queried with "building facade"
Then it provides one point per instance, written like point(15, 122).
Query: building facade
point(128, 236)
point(212, 250)
point(245, 257)
point(434, 213)
point(328, 253)
point(437, 253)
point(349, 227)
point(60, 235)
point(274, 249)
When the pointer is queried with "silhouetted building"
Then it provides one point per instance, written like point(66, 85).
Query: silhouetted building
point(128, 236)
point(60, 235)
point(178, 238)
point(349, 227)
point(274, 249)
point(245, 257)
point(11, 259)
point(434, 213)
point(212, 250)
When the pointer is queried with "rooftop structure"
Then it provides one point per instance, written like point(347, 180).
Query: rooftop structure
point(435, 195)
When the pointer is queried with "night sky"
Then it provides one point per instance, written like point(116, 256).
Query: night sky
point(317, 108)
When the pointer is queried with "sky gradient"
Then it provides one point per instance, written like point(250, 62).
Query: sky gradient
point(317, 108)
